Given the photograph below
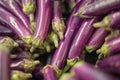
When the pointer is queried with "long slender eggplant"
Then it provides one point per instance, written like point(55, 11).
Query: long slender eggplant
point(71, 4)
point(111, 21)
point(110, 64)
point(49, 73)
point(19, 75)
point(58, 24)
point(6, 45)
point(24, 65)
point(29, 7)
point(15, 24)
point(42, 22)
point(73, 24)
point(96, 40)
point(82, 69)
point(16, 10)
point(5, 31)
point(80, 40)
point(110, 47)
point(99, 7)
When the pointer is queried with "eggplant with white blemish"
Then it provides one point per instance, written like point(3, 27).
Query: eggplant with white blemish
point(15, 25)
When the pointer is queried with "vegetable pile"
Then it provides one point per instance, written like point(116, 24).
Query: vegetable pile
point(59, 39)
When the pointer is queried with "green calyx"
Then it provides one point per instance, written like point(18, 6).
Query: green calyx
point(58, 71)
point(18, 75)
point(30, 65)
point(90, 48)
point(59, 27)
point(29, 8)
point(105, 50)
point(36, 43)
point(53, 38)
point(7, 44)
point(28, 39)
point(71, 62)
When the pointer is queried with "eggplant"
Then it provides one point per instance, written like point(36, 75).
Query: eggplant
point(4, 66)
point(37, 73)
point(82, 36)
point(19, 75)
point(49, 73)
point(5, 31)
point(15, 9)
point(25, 65)
point(15, 24)
point(110, 64)
point(58, 24)
point(82, 69)
point(99, 7)
point(6, 45)
point(77, 1)
point(111, 21)
point(68, 76)
point(97, 39)
point(29, 8)
point(73, 24)
point(110, 47)
point(42, 22)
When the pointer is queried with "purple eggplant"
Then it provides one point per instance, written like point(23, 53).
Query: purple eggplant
point(77, 1)
point(99, 7)
point(111, 21)
point(80, 40)
point(37, 73)
point(6, 45)
point(58, 24)
point(24, 65)
point(96, 40)
point(16, 10)
point(49, 73)
point(68, 76)
point(15, 24)
point(85, 71)
point(110, 47)
point(71, 4)
point(19, 75)
point(5, 31)
point(42, 22)
point(110, 64)
point(73, 24)
point(29, 7)
point(4, 66)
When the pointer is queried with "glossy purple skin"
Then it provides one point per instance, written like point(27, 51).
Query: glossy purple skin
point(14, 23)
point(85, 71)
point(5, 31)
point(110, 64)
point(81, 38)
point(97, 38)
point(18, 65)
point(100, 7)
point(77, 1)
point(43, 19)
point(73, 24)
point(113, 45)
point(49, 73)
point(114, 19)
point(37, 73)
point(4, 66)
point(15, 9)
